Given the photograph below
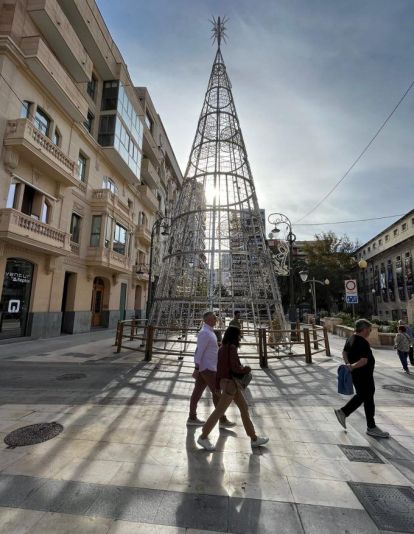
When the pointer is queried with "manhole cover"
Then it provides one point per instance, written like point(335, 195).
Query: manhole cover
point(390, 507)
point(71, 376)
point(399, 389)
point(360, 454)
point(32, 434)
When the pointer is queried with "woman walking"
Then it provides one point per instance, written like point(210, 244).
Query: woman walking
point(402, 343)
point(228, 366)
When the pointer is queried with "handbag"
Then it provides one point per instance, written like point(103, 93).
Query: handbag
point(242, 380)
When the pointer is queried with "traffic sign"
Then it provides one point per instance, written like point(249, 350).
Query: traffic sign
point(351, 288)
point(351, 299)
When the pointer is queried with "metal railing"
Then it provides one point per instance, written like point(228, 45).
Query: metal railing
point(306, 340)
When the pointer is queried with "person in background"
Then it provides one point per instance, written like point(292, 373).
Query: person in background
point(228, 366)
point(360, 361)
point(205, 359)
point(236, 322)
point(402, 343)
point(408, 330)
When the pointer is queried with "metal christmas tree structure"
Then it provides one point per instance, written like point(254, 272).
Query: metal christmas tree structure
point(217, 257)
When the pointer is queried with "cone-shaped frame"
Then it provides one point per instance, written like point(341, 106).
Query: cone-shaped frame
point(217, 258)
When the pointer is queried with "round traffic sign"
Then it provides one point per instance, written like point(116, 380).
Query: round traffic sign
point(350, 285)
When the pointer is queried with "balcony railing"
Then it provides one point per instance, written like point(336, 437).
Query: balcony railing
point(107, 197)
point(143, 234)
point(148, 198)
point(17, 226)
point(24, 137)
point(109, 259)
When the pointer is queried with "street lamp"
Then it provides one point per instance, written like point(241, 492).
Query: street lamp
point(362, 264)
point(374, 300)
point(159, 223)
point(304, 277)
point(276, 220)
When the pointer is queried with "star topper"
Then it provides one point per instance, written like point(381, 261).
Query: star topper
point(219, 29)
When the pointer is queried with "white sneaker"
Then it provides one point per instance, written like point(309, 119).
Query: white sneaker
point(226, 424)
point(341, 417)
point(206, 444)
point(259, 441)
point(377, 432)
point(195, 422)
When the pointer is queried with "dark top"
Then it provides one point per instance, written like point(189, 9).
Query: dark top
point(356, 348)
point(228, 362)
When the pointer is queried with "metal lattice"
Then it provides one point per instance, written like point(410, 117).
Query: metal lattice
point(217, 257)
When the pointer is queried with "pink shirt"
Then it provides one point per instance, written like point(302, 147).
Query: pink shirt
point(207, 349)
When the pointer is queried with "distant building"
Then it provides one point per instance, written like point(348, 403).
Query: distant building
point(386, 286)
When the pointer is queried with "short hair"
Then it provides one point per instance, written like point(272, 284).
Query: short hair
point(207, 314)
point(237, 312)
point(361, 324)
point(231, 336)
point(401, 328)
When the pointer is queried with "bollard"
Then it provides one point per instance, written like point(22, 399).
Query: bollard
point(325, 336)
point(264, 347)
point(131, 337)
point(298, 331)
point(120, 336)
point(117, 333)
point(148, 346)
point(315, 337)
point(261, 359)
point(306, 341)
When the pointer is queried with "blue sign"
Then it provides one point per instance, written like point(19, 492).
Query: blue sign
point(352, 299)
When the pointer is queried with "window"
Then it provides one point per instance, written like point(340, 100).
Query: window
point(107, 183)
point(374, 245)
point(25, 109)
point(75, 224)
point(119, 244)
point(404, 227)
point(396, 231)
point(142, 218)
point(369, 249)
point(57, 138)
point(412, 220)
point(46, 211)
point(89, 121)
point(379, 242)
point(387, 237)
point(96, 230)
point(91, 87)
point(108, 231)
point(149, 122)
point(42, 121)
point(82, 163)
point(109, 95)
point(11, 197)
point(106, 133)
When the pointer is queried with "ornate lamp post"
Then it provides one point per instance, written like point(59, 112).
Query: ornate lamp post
point(304, 277)
point(374, 300)
point(277, 220)
point(162, 222)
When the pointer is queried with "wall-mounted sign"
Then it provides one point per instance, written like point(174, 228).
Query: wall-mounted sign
point(14, 306)
point(19, 277)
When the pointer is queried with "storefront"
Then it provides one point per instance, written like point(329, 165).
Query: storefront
point(15, 298)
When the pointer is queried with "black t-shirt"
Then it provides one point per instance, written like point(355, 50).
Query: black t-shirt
point(356, 348)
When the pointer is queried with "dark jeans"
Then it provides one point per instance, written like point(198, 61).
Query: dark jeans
point(403, 358)
point(365, 389)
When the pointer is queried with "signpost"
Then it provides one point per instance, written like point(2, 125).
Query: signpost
point(351, 294)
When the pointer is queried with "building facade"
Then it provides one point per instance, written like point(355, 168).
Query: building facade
point(386, 286)
point(83, 173)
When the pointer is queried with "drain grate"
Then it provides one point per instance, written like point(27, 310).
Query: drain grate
point(71, 376)
point(398, 389)
point(32, 434)
point(390, 507)
point(360, 454)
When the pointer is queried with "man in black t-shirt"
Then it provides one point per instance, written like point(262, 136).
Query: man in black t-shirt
point(359, 360)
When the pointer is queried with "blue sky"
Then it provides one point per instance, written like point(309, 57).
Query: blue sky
point(312, 82)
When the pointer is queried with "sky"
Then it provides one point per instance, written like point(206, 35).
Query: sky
point(312, 83)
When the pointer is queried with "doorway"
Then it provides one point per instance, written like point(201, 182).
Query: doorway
point(68, 302)
point(98, 294)
point(15, 298)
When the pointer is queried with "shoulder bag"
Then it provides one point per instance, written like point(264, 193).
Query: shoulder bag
point(242, 380)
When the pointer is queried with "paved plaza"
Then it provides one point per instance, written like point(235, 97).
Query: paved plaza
point(125, 461)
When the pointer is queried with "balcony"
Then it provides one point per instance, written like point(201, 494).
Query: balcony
point(143, 234)
point(46, 67)
point(148, 198)
point(149, 173)
point(23, 230)
point(86, 18)
point(104, 199)
point(39, 150)
point(61, 36)
point(108, 259)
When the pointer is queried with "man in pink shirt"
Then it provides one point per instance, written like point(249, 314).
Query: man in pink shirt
point(205, 359)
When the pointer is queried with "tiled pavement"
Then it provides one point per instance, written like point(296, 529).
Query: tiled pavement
point(126, 462)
